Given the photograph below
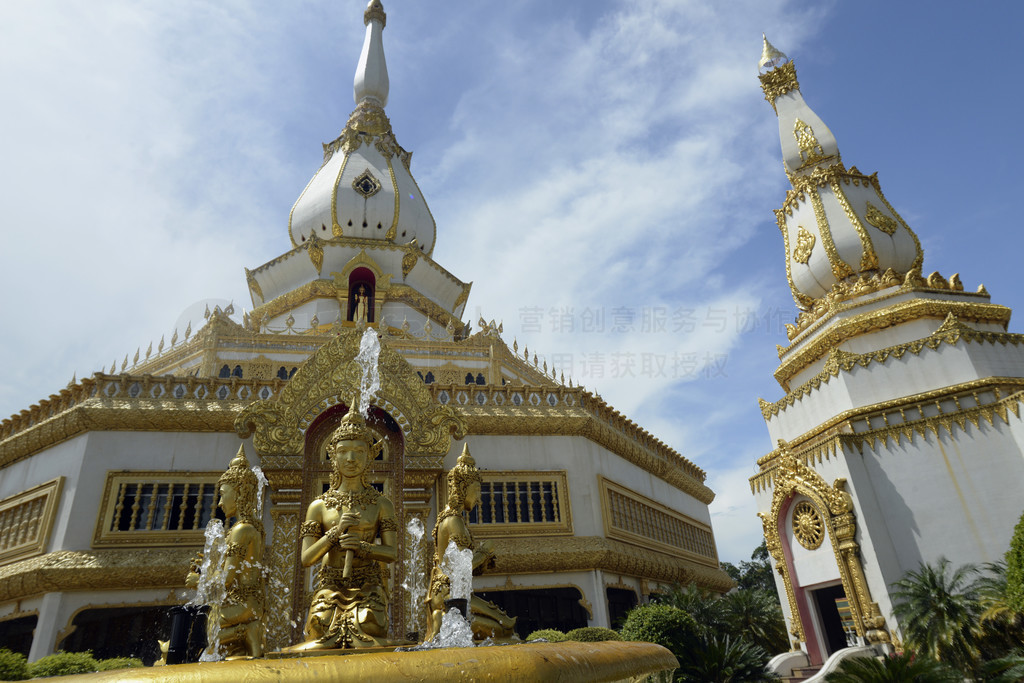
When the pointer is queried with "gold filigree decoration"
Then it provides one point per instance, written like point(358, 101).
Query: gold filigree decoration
point(410, 258)
point(880, 220)
point(810, 150)
point(393, 229)
point(887, 317)
point(333, 372)
point(530, 555)
point(831, 304)
point(254, 286)
point(840, 268)
point(807, 525)
point(804, 245)
point(366, 184)
point(869, 258)
point(835, 507)
point(315, 248)
point(803, 301)
point(778, 82)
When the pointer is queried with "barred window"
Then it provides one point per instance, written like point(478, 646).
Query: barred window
point(156, 508)
point(635, 519)
point(510, 500)
point(26, 520)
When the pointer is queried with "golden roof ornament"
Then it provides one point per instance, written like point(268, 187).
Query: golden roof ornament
point(375, 10)
point(771, 56)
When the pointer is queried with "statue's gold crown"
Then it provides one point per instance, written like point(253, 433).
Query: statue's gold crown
point(352, 427)
point(239, 472)
point(465, 471)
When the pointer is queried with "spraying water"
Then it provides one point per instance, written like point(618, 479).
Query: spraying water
point(211, 590)
point(415, 581)
point(458, 565)
point(261, 483)
point(369, 385)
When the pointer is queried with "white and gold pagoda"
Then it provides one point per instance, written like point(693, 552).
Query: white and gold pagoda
point(898, 435)
point(105, 487)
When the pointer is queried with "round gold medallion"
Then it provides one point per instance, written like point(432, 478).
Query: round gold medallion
point(807, 525)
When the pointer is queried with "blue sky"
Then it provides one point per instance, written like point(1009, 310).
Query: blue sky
point(593, 158)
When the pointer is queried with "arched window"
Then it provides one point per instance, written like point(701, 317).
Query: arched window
point(469, 378)
point(362, 286)
point(480, 379)
point(282, 373)
point(429, 379)
point(237, 372)
point(292, 373)
point(225, 372)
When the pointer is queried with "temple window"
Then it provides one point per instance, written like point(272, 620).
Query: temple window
point(225, 372)
point(362, 286)
point(156, 508)
point(429, 379)
point(517, 498)
point(634, 518)
point(469, 378)
point(26, 520)
point(480, 379)
point(237, 372)
point(282, 372)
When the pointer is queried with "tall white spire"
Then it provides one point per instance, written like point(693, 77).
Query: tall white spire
point(371, 81)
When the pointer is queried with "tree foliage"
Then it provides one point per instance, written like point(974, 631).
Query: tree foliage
point(938, 613)
point(1015, 569)
point(721, 659)
point(753, 575)
point(897, 668)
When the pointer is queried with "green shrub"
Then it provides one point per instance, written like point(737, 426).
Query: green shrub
point(721, 659)
point(1015, 569)
point(592, 634)
point(896, 667)
point(552, 635)
point(118, 663)
point(665, 625)
point(63, 664)
point(13, 666)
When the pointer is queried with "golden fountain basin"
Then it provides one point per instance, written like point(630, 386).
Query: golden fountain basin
point(526, 663)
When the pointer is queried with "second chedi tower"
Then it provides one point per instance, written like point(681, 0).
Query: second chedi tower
point(898, 435)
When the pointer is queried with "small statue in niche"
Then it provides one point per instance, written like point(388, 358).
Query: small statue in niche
point(361, 305)
point(487, 620)
point(240, 617)
point(343, 526)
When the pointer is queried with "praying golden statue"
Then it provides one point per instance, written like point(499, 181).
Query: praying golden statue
point(350, 530)
point(240, 617)
point(487, 620)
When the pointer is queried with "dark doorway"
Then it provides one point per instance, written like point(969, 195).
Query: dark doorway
point(543, 608)
point(16, 634)
point(831, 622)
point(119, 632)
point(620, 601)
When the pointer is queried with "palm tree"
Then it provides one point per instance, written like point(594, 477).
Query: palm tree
point(704, 606)
point(1006, 670)
point(938, 613)
point(756, 616)
point(718, 659)
point(898, 668)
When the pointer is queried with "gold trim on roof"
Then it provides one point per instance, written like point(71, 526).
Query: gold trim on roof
point(778, 82)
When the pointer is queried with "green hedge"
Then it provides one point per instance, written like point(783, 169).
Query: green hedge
point(63, 664)
point(13, 666)
point(665, 625)
point(118, 663)
point(592, 634)
point(552, 635)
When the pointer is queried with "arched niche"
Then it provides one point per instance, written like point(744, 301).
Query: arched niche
point(796, 483)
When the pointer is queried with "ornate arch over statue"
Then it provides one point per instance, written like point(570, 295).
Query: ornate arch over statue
point(834, 505)
point(331, 376)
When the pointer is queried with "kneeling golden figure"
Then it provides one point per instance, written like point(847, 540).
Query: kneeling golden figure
point(487, 620)
point(343, 526)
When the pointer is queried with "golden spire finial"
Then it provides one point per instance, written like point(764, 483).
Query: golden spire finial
point(375, 10)
point(771, 56)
